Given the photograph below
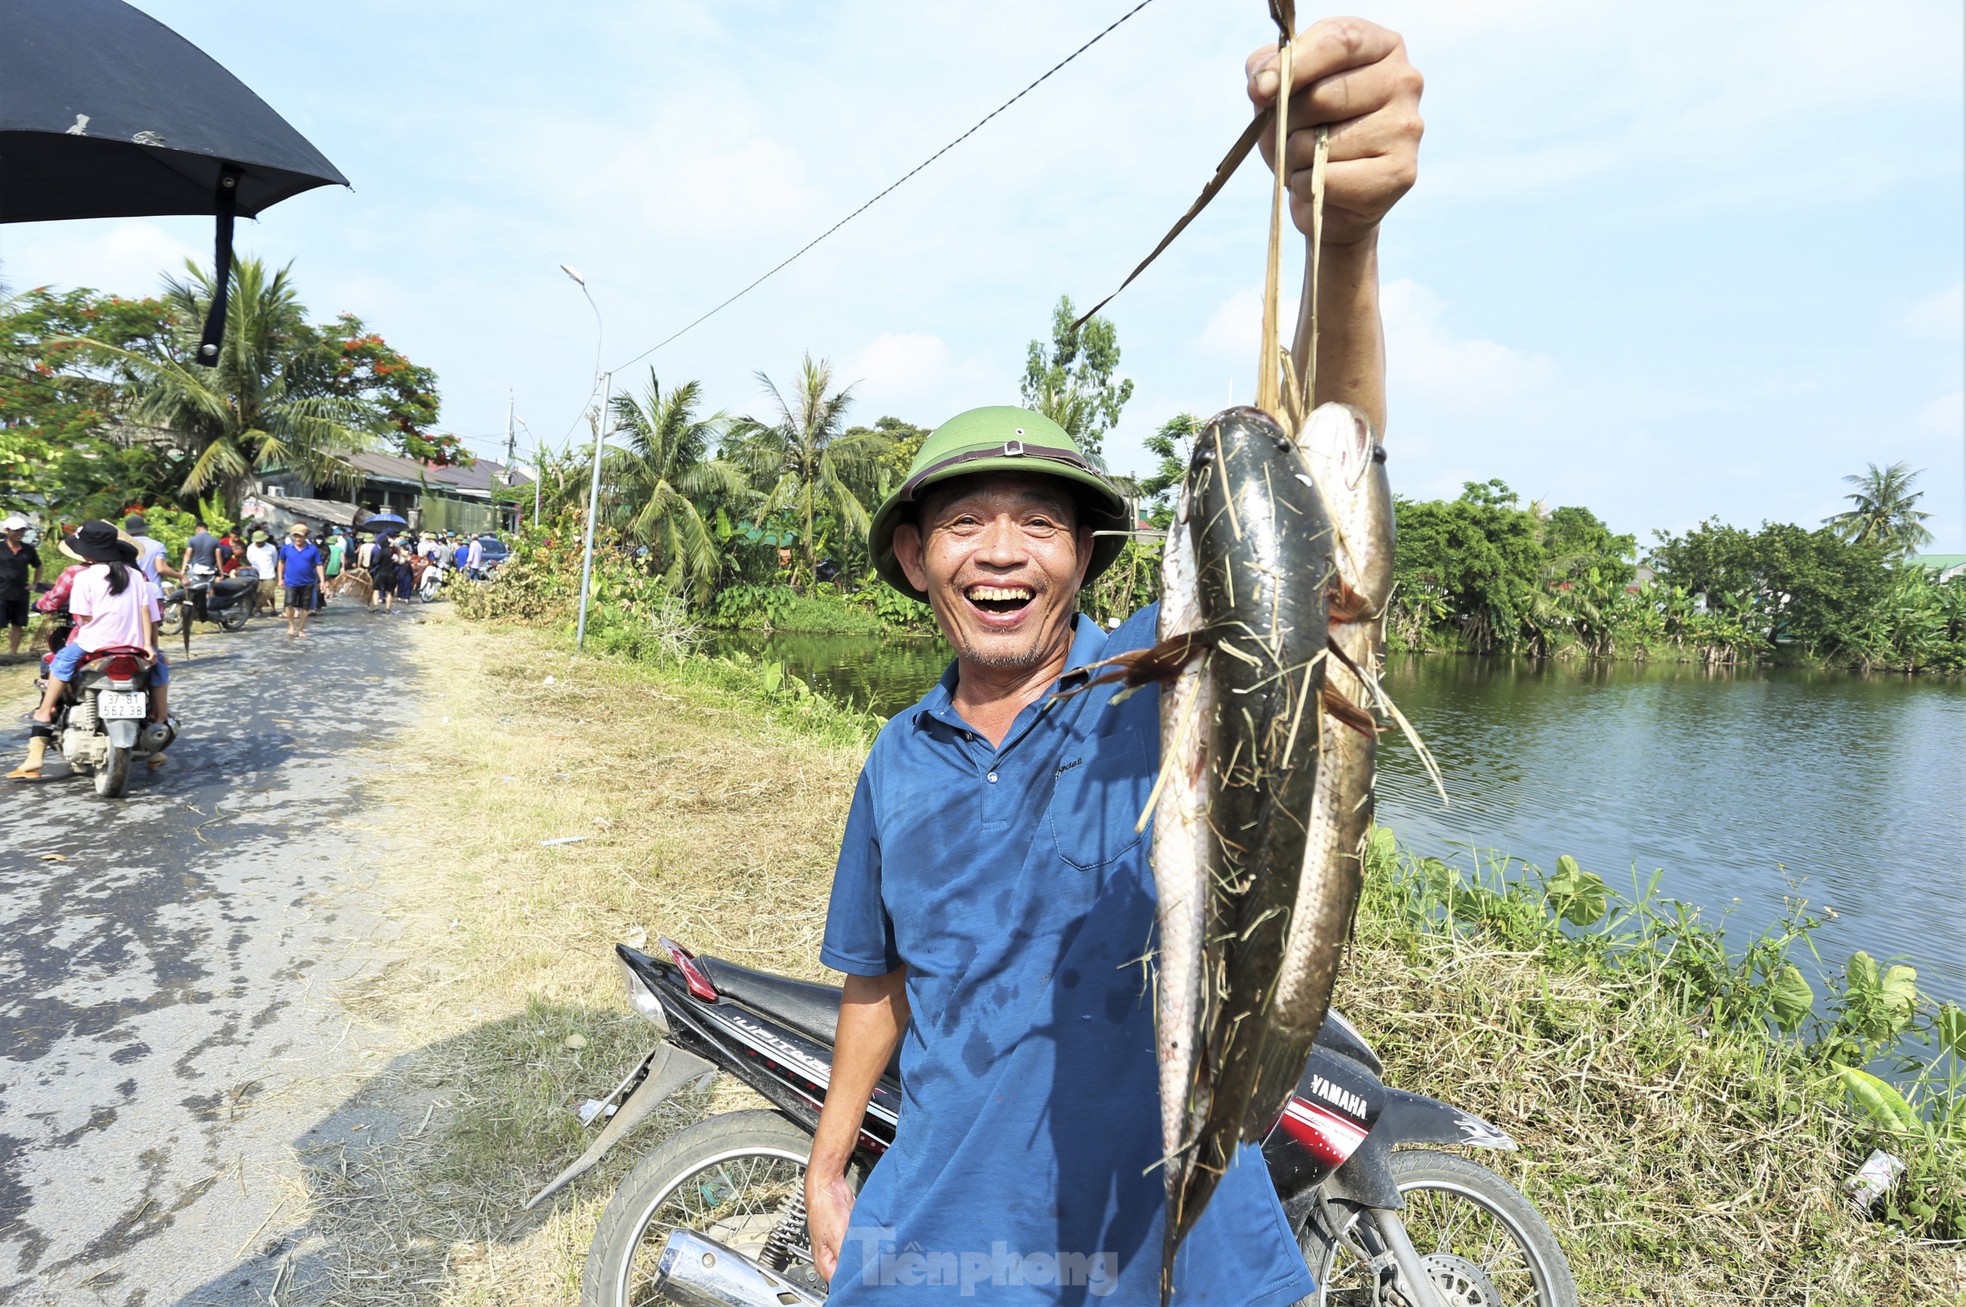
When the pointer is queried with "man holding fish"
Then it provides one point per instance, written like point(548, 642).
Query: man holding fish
point(994, 909)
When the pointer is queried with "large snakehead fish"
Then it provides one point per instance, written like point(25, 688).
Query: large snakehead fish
point(1274, 581)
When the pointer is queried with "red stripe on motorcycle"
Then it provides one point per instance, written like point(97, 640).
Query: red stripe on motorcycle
point(1330, 1137)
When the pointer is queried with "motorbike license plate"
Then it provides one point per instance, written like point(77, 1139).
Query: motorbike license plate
point(116, 705)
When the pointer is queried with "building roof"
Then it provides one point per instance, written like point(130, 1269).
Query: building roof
point(474, 482)
point(1939, 562)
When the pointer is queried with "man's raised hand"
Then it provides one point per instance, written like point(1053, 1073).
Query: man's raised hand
point(1353, 76)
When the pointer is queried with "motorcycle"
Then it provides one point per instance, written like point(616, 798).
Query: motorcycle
point(715, 1214)
point(103, 721)
point(432, 585)
point(208, 596)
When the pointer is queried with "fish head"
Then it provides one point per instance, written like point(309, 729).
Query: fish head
point(1001, 557)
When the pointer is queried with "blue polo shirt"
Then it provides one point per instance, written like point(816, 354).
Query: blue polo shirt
point(1012, 883)
point(299, 564)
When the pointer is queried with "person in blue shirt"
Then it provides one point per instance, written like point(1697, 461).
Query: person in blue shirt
point(993, 908)
point(301, 574)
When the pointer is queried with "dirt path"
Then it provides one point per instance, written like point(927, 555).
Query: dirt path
point(174, 1047)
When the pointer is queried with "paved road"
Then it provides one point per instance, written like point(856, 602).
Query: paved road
point(167, 987)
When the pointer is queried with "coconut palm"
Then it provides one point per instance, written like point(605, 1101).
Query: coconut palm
point(1881, 511)
point(662, 475)
point(802, 460)
point(250, 413)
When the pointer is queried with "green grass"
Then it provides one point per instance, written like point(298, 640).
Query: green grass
point(1679, 1125)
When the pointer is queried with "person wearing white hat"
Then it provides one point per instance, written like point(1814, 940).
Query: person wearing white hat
point(19, 561)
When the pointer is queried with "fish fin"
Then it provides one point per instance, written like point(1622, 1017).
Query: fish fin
point(1223, 171)
point(1138, 667)
point(1347, 713)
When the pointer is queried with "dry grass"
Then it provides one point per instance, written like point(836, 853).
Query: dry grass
point(1678, 1165)
point(700, 819)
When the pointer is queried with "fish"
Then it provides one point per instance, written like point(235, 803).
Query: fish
point(1348, 466)
point(1275, 579)
point(1242, 653)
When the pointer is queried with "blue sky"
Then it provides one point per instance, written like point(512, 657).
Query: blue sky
point(1667, 260)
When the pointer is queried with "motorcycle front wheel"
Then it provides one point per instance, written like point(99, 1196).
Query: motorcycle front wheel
point(1481, 1242)
point(174, 618)
point(732, 1178)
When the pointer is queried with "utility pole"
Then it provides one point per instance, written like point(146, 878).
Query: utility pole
point(511, 444)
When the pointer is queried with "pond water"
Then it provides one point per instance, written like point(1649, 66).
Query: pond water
point(1743, 786)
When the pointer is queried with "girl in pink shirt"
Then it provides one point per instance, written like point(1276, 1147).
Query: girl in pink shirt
point(113, 608)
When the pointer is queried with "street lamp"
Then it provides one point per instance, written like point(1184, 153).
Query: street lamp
point(594, 488)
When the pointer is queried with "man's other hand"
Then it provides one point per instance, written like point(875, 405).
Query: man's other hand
point(829, 1206)
point(1353, 76)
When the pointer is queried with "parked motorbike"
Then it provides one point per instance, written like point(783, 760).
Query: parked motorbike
point(103, 721)
point(432, 584)
point(715, 1214)
point(210, 597)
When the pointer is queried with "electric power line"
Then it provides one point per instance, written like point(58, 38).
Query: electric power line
point(893, 186)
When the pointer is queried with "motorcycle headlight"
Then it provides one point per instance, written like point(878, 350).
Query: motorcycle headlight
point(640, 996)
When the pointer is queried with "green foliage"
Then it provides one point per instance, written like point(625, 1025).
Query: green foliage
point(657, 485)
point(804, 460)
point(62, 447)
point(1071, 381)
point(751, 607)
point(1171, 447)
point(1130, 584)
point(894, 611)
point(1881, 512)
point(1651, 949)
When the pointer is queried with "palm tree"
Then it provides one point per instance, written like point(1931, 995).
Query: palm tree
point(805, 456)
point(659, 479)
point(251, 412)
point(1881, 511)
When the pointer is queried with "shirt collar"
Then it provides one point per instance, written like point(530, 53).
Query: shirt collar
point(1088, 641)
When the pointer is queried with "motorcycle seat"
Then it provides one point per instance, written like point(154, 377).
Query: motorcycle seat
point(229, 587)
point(113, 650)
point(812, 1010)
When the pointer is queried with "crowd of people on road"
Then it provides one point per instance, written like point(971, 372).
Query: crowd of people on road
point(297, 571)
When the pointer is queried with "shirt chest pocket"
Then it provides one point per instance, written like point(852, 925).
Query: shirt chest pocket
point(1102, 785)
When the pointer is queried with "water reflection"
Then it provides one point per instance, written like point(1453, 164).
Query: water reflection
point(1738, 784)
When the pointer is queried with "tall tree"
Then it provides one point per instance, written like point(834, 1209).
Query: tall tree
point(64, 447)
point(1881, 511)
point(1071, 381)
point(1171, 447)
point(804, 459)
point(663, 474)
point(255, 411)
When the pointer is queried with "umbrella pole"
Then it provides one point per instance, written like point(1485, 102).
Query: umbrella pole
point(228, 206)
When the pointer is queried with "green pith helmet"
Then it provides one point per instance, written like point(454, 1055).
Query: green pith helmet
point(1000, 439)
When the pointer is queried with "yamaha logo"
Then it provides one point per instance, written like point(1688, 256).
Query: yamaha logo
point(1343, 1099)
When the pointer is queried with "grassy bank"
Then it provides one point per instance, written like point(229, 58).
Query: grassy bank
point(1682, 1160)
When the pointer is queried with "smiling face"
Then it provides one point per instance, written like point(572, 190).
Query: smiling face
point(1001, 558)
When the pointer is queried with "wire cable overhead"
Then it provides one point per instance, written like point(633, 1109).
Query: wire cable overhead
point(800, 252)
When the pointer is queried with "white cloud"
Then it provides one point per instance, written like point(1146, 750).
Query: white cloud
point(901, 364)
point(1456, 373)
point(124, 255)
point(1946, 415)
point(1942, 315)
point(1235, 331)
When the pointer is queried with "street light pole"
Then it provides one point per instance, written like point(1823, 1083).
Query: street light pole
point(594, 487)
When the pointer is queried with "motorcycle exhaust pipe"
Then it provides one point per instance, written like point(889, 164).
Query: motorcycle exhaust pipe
point(697, 1272)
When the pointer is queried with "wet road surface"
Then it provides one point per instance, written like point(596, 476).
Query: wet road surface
point(168, 1022)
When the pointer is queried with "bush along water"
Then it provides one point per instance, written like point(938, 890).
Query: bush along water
point(1884, 1062)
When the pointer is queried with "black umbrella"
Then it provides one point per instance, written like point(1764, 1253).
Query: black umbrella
point(107, 113)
